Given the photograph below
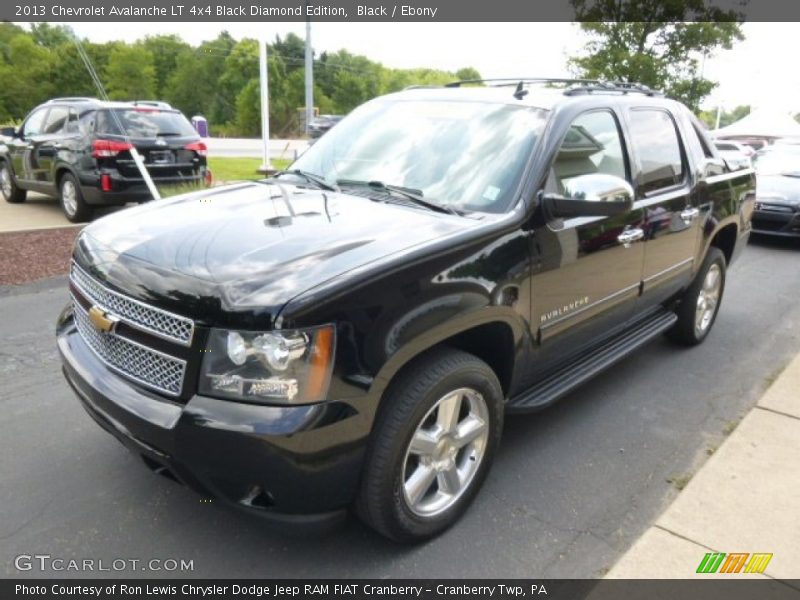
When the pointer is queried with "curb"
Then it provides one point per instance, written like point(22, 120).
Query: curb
point(743, 501)
point(45, 228)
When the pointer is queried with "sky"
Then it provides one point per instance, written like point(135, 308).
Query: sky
point(754, 72)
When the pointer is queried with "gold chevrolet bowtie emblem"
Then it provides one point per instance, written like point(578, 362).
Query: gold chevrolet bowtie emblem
point(102, 321)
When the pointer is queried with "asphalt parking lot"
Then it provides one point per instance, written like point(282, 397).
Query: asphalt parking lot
point(571, 490)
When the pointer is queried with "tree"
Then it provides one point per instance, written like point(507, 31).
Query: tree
point(660, 44)
point(218, 79)
point(68, 73)
point(467, 73)
point(165, 50)
point(241, 67)
point(291, 49)
point(709, 117)
point(51, 36)
point(193, 86)
point(17, 95)
point(130, 74)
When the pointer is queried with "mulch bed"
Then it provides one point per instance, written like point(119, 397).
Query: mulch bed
point(29, 255)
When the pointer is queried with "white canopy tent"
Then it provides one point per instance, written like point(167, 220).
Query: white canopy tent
point(761, 123)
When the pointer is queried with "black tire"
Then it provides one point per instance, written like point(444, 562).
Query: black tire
point(686, 331)
point(382, 503)
point(73, 204)
point(8, 186)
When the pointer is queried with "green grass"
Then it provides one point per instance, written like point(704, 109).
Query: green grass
point(679, 481)
point(235, 169)
point(225, 170)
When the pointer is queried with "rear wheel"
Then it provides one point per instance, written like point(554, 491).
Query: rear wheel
point(8, 188)
point(432, 446)
point(72, 201)
point(698, 308)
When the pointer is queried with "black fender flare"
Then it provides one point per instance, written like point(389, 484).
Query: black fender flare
point(708, 238)
point(489, 315)
point(59, 169)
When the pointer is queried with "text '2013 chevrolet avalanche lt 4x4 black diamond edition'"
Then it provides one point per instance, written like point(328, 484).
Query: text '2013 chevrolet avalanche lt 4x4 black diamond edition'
point(352, 331)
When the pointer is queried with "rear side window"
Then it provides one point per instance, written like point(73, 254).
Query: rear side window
point(658, 150)
point(56, 120)
point(87, 121)
point(72, 122)
point(144, 123)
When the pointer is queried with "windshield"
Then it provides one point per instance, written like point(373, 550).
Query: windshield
point(144, 123)
point(464, 155)
point(778, 162)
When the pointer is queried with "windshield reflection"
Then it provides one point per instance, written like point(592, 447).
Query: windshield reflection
point(465, 155)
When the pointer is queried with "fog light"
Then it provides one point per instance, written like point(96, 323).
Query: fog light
point(269, 388)
point(105, 182)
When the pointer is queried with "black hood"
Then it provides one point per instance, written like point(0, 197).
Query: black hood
point(782, 189)
point(248, 247)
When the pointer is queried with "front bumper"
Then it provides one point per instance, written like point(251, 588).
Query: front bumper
point(295, 465)
point(777, 219)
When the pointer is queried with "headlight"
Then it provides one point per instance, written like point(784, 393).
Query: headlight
point(280, 367)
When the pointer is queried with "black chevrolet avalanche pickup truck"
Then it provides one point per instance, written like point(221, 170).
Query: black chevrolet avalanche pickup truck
point(351, 332)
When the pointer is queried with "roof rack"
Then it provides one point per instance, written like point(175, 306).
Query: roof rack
point(578, 86)
point(72, 99)
point(153, 103)
point(420, 86)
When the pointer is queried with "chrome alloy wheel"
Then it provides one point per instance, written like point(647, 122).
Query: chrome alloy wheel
point(69, 197)
point(445, 452)
point(5, 182)
point(707, 299)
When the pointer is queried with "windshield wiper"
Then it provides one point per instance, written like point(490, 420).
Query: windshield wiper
point(311, 178)
point(414, 195)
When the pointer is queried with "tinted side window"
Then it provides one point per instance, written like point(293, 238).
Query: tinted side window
point(658, 150)
point(33, 126)
point(72, 122)
point(703, 141)
point(592, 145)
point(103, 122)
point(56, 120)
point(87, 121)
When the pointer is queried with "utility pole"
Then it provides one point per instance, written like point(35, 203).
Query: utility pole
point(266, 165)
point(309, 75)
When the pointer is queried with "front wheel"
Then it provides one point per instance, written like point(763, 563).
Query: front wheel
point(699, 306)
point(11, 193)
point(432, 445)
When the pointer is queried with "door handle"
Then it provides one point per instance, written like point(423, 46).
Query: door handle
point(689, 214)
point(627, 237)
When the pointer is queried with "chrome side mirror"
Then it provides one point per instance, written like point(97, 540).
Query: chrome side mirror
point(591, 195)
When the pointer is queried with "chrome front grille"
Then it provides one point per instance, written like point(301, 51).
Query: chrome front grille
point(144, 365)
point(162, 323)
